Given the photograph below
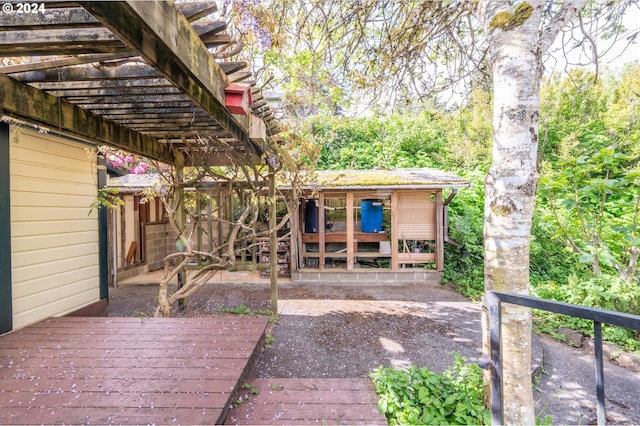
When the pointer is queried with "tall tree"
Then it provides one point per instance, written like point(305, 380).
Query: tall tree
point(399, 51)
point(515, 47)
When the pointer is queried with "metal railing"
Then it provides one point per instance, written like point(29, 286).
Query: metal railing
point(493, 300)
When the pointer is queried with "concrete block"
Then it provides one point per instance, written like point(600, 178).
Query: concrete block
point(628, 360)
point(574, 338)
point(616, 355)
point(386, 277)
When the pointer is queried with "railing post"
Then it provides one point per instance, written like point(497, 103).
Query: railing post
point(495, 366)
point(493, 300)
point(597, 346)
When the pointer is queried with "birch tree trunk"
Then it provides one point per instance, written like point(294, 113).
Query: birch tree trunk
point(516, 48)
point(510, 190)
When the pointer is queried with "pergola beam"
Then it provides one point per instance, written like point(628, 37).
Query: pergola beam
point(56, 16)
point(24, 102)
point(161, 89)
point(89, 40)
point(168, 43)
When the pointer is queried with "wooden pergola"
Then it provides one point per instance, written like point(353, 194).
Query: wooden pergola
point(135, 75)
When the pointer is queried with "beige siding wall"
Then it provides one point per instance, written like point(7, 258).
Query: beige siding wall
point(54, 240)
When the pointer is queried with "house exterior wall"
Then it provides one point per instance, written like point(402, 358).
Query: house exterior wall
point(54, 239)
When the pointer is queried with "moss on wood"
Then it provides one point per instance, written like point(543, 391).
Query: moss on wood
point(383, 177)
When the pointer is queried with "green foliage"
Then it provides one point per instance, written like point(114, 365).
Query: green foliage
point(251, 389)
point(466, 221)
point(403, 141)
point(589, 192)
point(605, 292)
point(107, 198)
point(270, 340)
point(417, 396)
point(622, 115)
point(551, 259)
point(585, 229)
point(242, 309)
point(595, 200)
point(348, 144)
point(571, 120)
point(469, 133)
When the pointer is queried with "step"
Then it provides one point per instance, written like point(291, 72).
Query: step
point(296, 401)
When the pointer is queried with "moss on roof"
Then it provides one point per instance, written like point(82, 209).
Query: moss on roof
point(386, 177)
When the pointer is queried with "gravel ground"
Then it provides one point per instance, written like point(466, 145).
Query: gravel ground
point(338, 331)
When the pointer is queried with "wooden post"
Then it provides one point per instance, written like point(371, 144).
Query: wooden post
point(273, 241)
point(394, 230)
point(220, 213)
point(198, 221)
point(103, 233)
point(210, 221)
point(321, 230)
point(243, 202)
point(181, 220)
point(439, 232)
point(6, 268)
point(293, 230)
point(350, 232)
point(301, 247)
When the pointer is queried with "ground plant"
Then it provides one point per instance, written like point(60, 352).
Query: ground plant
point(604, 292)
point(417, 396)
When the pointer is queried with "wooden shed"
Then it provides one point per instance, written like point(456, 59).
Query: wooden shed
point(373, 220)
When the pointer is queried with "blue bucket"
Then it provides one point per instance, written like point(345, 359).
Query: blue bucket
point(372, 215)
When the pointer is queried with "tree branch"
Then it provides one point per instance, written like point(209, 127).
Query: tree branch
point(565, 14)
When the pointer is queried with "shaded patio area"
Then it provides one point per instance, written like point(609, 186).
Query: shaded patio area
point(77, 370)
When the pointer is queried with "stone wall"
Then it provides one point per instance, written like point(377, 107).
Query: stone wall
point(158, 244)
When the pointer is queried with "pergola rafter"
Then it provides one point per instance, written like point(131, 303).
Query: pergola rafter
point(133, 75)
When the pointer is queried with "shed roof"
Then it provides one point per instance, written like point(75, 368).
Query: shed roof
point(136, 75)
point(133, 183)
point(423, 178)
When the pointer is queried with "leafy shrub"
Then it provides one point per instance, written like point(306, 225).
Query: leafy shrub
point(551, 259)
point(603, 291)
point(465, 268)
point(418, 396)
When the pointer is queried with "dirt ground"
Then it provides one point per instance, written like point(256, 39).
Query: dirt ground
point(340, 331)
point(331, 331)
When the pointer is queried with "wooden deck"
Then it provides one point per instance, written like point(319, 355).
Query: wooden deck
point(307, 401)
point(126, 370)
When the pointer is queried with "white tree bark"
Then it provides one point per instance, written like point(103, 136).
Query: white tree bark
point(509, 198)
point(517, 43)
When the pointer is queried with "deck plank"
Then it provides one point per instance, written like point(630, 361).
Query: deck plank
point(307, 401)
point(76, 370)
